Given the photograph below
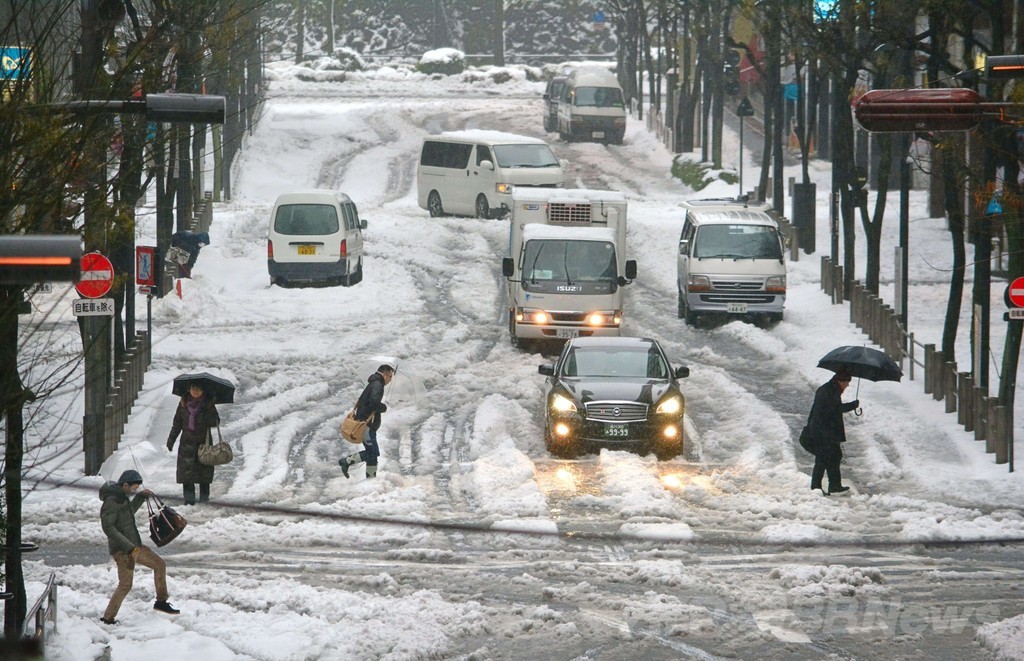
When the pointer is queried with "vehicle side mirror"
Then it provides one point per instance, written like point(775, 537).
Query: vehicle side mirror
point(547, 97)
point(547, 369)
point(508, 267)
point(564, 163)
point(631, 269)
point(487, 165)
point(684, 246)
point(362, 224)
point(682, 372)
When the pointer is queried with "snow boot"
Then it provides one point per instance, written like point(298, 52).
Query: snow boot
point(371, 470)
point(346, 462)
point(837, 490)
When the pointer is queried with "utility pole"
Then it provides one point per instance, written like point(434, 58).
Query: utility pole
point(96, 330)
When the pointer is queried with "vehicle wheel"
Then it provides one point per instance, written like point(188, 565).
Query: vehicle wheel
point(434, 205)
point(547, 125)
point(680, 305)
point(483, 210)
point(359, 272)
point(689, 315)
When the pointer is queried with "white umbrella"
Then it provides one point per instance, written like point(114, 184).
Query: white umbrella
point(405, 386)
point(143, 457)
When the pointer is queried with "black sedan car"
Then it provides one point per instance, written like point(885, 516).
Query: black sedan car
point(614, 392)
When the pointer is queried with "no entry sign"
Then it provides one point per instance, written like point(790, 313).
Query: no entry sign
point(97, 275)
point(1015, 292)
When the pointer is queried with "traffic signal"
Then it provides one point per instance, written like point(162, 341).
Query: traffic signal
point(30, 258)
point(998, 67)
point(731, 83)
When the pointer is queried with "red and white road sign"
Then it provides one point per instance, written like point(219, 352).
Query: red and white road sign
point(97, 276)
point(1016, 292)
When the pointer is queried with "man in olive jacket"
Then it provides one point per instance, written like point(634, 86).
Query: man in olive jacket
point(121, 500)
point(826, 428)
point(369, 406)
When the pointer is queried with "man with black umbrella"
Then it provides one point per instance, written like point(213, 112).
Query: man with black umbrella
point(825, 427)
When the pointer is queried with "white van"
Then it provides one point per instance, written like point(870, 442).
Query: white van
point(592, 107)
point(731, 260)
point(315, 237)
point(474, 172)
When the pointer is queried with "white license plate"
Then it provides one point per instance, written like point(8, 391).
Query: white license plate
point(566, 333)
point(739, 308)
point(598, 134)
point(616, 431)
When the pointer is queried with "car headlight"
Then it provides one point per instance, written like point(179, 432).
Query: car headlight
point(532, 316)
point(562, 404)
point(671, 406)
point(699, 283)
point(504, 189)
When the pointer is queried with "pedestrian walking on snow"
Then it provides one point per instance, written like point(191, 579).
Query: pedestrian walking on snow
point(121, 500)
point(369, 406)
point(195, 417)
point(827, 431)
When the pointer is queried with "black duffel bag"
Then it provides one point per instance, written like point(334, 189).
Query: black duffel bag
point(164, 523)
point(807, 441)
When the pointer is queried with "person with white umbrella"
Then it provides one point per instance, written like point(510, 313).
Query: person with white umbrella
point(370, 406)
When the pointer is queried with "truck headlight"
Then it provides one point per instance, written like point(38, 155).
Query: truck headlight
point(671, 406)
point(775, 284)
point(562, 404)
point(504, 189)
point(699, 283)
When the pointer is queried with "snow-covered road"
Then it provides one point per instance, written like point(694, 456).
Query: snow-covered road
point(504, 551)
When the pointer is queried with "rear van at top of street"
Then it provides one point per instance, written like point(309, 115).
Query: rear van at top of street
point(475, 172)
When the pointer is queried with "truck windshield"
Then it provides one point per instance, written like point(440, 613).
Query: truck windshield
point(569, 262)
point(525, 156)
point(599, 97)
point(737, 242)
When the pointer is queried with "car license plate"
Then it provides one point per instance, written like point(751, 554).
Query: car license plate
point(616, 431)
point(307, 250)
point(598, 134)
point(737, 307)
point(566, 333)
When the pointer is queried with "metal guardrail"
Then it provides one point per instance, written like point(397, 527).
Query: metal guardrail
point(988, 417)
point(43, 611)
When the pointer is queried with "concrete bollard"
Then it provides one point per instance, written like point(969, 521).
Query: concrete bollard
point(999, 436)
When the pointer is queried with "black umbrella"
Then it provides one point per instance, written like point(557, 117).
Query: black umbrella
point(862, 362)
point(222, 390)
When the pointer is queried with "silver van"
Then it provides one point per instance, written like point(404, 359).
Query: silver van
point(315, 237)
point(592, 107)
point(731, 260)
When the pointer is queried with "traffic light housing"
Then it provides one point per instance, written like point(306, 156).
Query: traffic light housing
point(1001, 67)
point(31, 258)
point(731, 83)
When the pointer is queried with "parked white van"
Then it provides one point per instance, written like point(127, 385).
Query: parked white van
point(732, 260)
point(315, 237)
point(592, 107)
point(474, 172)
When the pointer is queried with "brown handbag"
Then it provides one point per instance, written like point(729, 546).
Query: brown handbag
point(353, 430)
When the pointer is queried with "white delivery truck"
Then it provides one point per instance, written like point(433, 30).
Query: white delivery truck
point(566, 265)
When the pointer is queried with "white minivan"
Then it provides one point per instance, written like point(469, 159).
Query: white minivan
point(592, 107)
point(315, 237)
point(474, 172)
point(731, 260)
